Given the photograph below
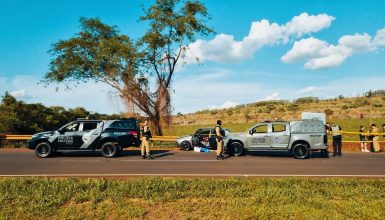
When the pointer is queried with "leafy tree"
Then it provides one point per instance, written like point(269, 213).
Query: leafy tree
point(17, 117)
point(141, 72)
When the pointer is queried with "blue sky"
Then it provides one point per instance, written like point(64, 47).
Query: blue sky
point(262, 50)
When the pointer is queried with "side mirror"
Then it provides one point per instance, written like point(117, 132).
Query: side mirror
point(251, 132)
point(61, 131)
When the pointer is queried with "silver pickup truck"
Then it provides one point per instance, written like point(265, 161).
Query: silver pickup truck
point(299, 137)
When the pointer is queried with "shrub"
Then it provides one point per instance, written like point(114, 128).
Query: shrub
point(293, 107)
point(306, 100)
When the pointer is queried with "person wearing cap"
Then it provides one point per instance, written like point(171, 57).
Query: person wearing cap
point(336, 131)
point(145, 137)
point(220, 133)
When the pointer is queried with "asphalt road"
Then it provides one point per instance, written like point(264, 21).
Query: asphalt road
point(179, 163)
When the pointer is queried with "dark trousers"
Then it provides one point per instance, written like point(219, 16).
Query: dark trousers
point(337, 145)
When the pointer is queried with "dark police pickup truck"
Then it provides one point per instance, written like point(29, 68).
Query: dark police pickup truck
point(109, 137)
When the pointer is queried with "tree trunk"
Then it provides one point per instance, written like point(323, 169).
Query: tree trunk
point(157, 126)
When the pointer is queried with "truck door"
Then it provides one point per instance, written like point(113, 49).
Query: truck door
point(259, 137)
point(66, 138)
point(280, 135)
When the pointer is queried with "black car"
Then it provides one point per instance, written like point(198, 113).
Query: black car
point(109, 137)
point(203, 137)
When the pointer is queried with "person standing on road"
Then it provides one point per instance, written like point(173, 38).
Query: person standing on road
point(362, 139)
point(336, 131)
point(220, 133)
point(376, 145)
point(145, 137)
point(327, 131)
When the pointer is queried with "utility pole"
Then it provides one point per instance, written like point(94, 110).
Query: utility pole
point(369, 95)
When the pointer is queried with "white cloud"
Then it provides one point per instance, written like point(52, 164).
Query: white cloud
point(309, 90)
point(195, 91)
point(225, 49)
point(319, 54)
point(274, 96)
point(96, 97)
point(226, 104)
point(379, 40)
point(18, 93)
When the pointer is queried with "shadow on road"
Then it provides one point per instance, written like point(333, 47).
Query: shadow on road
point(125, 153)
point(282, 154)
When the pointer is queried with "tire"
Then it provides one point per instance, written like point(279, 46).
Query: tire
point(109, 150)
point(43, 150)
point(185, 145)
point(236, 149)
point(301, 151)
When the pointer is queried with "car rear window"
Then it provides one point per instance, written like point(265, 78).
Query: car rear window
point(124, 124)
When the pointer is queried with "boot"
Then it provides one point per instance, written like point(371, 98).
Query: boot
point(143, 156)
point(222, 157)
point(219, 157)
point(149, 157)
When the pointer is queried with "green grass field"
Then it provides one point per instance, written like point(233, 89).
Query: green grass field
point(175, 198)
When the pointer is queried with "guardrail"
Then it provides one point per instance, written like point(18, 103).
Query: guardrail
point(164, 138)
point(18, 137)
point(27, 137)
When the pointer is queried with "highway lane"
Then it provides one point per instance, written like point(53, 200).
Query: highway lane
point(180, 163)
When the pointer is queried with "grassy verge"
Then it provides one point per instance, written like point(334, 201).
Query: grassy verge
point(174, 198)
point(13, 144)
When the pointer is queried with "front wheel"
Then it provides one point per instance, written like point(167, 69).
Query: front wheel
point(236, 149)
point(109, 150)
point(301, 151)
point(43, 150)
point(185, 145)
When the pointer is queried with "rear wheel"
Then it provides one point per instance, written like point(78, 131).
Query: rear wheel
point(185, 145)
point(109, 150)
point(43, 150)
point(301, 151)
point(236, 149)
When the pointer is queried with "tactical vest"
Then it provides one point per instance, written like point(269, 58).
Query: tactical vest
point(336, 130)
point(221, 131)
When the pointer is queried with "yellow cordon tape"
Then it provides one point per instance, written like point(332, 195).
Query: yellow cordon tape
point(173, 138)
point(364, 133)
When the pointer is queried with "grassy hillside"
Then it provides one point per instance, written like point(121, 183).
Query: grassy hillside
point(336, 109)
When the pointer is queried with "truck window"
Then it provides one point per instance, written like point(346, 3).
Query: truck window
point(72, 127)
point(260, 129)
point(278, 127)
point(88, 126)
point(124, 124)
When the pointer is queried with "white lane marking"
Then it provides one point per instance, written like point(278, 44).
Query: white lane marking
point(195, 174)
point(155, 160)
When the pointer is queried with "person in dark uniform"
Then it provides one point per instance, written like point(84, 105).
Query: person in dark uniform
point(220, 133)
point(362, 139)
point(327, 132)
point(336, 131)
